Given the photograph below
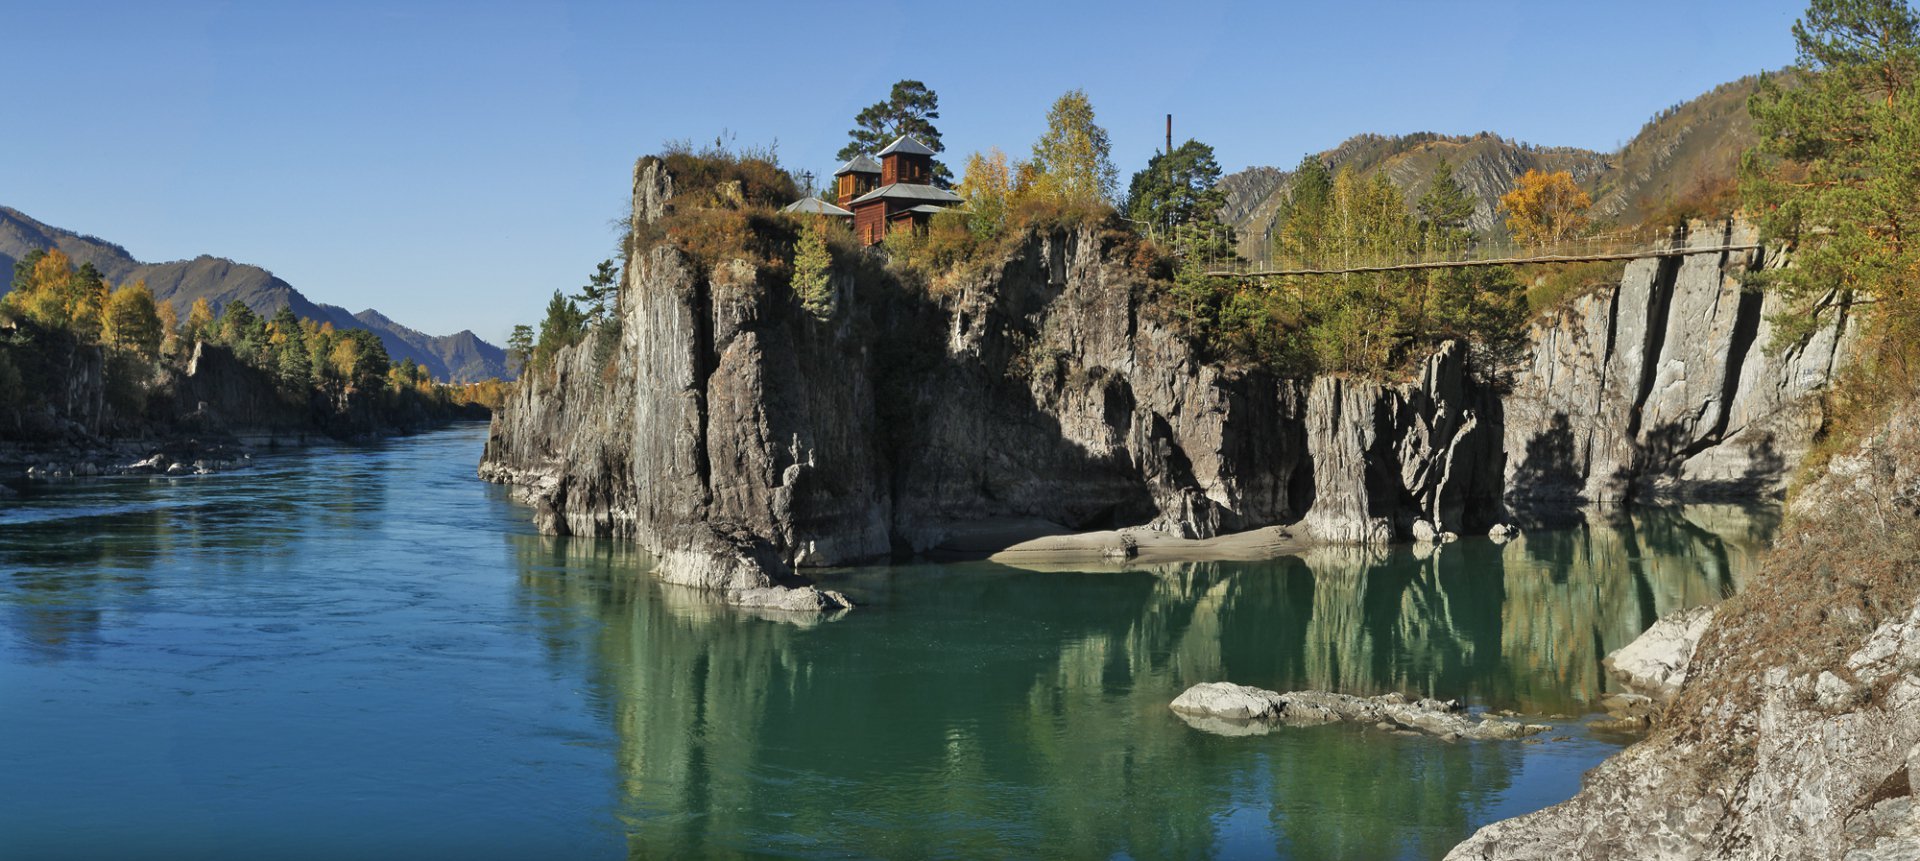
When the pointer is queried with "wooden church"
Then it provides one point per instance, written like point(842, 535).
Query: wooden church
point(894, 194)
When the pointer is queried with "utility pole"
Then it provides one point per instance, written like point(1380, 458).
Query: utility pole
point(1168, 155)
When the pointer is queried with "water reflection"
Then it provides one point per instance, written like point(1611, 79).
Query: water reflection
point(347, 650)
point(78, 552)
point(977, 710)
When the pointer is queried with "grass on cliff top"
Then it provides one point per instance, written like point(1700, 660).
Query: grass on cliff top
point(725, 206)
point(961, 243)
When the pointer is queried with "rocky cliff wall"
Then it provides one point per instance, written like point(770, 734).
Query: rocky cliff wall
point(1796, 730)
point(1667, 386)
point(730, 424)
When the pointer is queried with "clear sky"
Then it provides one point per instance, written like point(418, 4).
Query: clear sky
point(453, 163)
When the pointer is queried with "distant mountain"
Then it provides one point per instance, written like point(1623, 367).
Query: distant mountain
point(1687, 145)
point(460, 357)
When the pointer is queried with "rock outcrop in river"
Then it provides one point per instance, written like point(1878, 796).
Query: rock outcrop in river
point(740, 437)
point(1224, 708)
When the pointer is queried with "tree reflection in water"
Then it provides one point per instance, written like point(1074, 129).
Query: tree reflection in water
point(978, 710)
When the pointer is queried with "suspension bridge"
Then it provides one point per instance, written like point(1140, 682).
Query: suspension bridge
point(1634, 245)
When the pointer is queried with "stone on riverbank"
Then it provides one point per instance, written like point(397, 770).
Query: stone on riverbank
point(1224, 708)
point(1655, 664)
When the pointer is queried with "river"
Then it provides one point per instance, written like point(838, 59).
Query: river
point(367, 652)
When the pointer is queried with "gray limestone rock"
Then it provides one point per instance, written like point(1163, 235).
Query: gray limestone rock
point(1655, 664)
point(1802, 752)
point(1225, 708)
point(719, 418)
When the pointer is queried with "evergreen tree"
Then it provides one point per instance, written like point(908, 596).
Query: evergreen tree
point(909, 109)
point(292, 359)
point(243, 331)
point(1445, 209)
point(1302, 225)
point(1177, 188)
point(597, 298)
point(1835, 174)
point(560, 329)
point(813, 270)
point(366, 360)
point(520, 347)
point(89, 304)
point(23, 268)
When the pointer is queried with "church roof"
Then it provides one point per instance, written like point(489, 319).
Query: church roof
point(905, 145)
point(861, 163)
point(909, 191)
point(815, 206)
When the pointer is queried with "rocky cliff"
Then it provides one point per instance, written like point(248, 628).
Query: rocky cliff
point(739, 436)
point(1668, 385)
point(1796, 729)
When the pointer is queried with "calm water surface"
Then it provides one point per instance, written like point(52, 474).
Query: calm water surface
point(368, 653)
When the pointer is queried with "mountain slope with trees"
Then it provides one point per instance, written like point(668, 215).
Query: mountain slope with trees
point(461, 357)
point(1678, 164)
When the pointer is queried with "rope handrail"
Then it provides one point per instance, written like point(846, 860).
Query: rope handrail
point(1671, 251)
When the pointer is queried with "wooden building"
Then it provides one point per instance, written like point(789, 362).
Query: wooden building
point(816, 206)
point(896, 194)
point(855, 178)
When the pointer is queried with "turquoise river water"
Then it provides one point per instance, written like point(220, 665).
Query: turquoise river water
point(368, 653)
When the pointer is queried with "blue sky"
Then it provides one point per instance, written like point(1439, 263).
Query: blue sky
point(453, 163)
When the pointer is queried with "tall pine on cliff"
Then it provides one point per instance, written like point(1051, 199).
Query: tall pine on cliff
point(1837, 174)
point(909, 109)
point(1176, 188)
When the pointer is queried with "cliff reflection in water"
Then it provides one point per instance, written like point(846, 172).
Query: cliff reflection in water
point(975, 709)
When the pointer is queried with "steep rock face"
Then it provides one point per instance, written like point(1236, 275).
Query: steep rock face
point(1384, 456)
point(1796, 730)
point(1664, 387)
point(728, 423)
point(727, 416)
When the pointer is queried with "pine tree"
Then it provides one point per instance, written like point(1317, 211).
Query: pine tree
point(1177, 188)
point(520, 347)
point(1835, 175)
point(601, 292)
point(1445, 209)
point(1301, 229)
point(292, 359)
point(909, 109)
point(813, 270)
point(559, 330)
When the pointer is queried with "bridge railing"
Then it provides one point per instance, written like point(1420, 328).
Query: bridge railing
point(1620, 244)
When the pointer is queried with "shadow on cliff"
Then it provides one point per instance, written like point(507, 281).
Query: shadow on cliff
point(969, 405)
point(1657, 468)
point(1549, 483)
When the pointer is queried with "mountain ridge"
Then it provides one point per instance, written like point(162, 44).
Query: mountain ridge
point(1683, 149)
point(459, 357)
